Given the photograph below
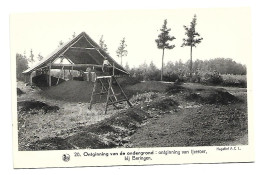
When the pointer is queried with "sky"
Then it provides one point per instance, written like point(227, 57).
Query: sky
point(226, 32)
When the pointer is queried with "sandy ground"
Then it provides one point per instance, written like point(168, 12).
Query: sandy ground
point(167, 125)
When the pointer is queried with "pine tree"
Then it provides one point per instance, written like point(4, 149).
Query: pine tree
point(193, 38)
point(40, 57)
point(102, 44)
point(163, 41)
point(121, 51)
point(31, 60)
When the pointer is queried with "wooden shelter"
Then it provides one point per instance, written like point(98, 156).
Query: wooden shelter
point(82, 53)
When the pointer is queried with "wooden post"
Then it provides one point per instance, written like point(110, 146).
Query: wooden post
point(123, 92)
point(113, 68)
point(93, 91)
point(108, 94)
point(72, 73)
point(112, 90)
point(25, 78)
point(50, 74)
point(104, 87)
point(30, 79)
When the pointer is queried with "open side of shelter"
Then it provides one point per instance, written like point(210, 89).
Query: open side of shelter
point(80, 53)
point(84, 55)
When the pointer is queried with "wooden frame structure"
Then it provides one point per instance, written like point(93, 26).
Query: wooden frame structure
point(109, 90)
point(82, 52)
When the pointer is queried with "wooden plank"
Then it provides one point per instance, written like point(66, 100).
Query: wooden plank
point(103, 77)
point(92, 94)
point(30, 81)
point(59, 76)
point(77, 65)
point(69, 46)
point(84, 48)
point(50, 75)
point(113, 68)
point(112, 90)
point(123, 93)
point(108, 94)
point(103, 86)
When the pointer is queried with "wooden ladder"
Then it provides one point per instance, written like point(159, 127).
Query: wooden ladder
point(110, 92)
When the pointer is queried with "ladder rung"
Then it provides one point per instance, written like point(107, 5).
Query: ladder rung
point(102, 77)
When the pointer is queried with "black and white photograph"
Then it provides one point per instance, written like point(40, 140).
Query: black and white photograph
point(88, 83)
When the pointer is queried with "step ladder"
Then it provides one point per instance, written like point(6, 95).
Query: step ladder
point(111, 96)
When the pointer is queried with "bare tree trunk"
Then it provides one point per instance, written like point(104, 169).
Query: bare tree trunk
point(162, 66)
point(191, 62)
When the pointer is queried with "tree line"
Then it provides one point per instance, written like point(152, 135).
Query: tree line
point(181, 70)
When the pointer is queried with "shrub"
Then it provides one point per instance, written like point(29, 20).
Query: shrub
point(211, 78)
point(21, 65)
point(234, 80)
point(171, 77)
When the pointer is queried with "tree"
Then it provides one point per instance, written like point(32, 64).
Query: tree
point(102, 44)
point(31, 59)
point(193, 38)
point(121, 51)
point(60, 43)
point(127, 66)
point(74, 35)
point(21, 65)
point(40, 57)
point(163, 41)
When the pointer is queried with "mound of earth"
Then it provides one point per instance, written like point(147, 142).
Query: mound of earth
point(41, 80)
point(108, 133)
point(111, 132)
point(212, 96)
point(72, 91)
point(176, 88)
point(35, 107)
point(77, 91)
point(19, 91)
point(164, 104)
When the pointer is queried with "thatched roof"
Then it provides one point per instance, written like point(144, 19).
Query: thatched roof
point(80, 50)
